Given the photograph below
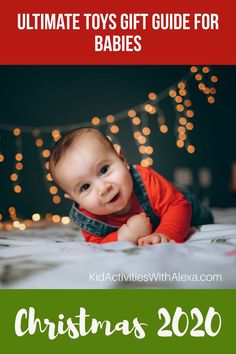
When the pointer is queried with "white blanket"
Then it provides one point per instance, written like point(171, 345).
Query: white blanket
point(57, 257)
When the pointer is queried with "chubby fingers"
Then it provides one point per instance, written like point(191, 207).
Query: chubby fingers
point(154, 239)
point(149, 240)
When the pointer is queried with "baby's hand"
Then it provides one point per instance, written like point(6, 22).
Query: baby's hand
point(153, 239)
point(139, 225)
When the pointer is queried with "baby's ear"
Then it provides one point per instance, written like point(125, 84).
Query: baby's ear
point(67, 196)
point(120, 153)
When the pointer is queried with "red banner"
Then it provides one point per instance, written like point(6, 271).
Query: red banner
point(117, 32)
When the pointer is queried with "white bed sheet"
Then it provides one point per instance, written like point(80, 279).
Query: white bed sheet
point(57, 257)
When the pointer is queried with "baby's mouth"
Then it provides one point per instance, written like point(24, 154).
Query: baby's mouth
point(115, 198)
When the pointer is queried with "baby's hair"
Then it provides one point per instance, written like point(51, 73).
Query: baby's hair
point(67, 141)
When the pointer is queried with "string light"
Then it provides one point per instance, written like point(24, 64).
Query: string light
point(112, 129)
point(206, 82)
point(141, 130)
point(44, 155)
point(15, 176)
point(139, 115)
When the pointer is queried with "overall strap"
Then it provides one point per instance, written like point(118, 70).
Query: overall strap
point(89, 224)
point(141, 194)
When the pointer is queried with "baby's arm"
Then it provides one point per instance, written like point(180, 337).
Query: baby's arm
point(171, 206)
point(136, 226)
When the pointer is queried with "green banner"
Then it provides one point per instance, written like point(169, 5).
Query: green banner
point(68, 321)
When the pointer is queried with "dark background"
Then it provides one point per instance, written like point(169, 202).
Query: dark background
point(59, 95)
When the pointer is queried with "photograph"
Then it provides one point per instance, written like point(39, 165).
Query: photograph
point(117, 177)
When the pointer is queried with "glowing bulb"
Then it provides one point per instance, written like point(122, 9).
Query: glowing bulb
point(136, 121)
point(190, 113)
point(193, 69)
point(198, 77)
point(187, 103)
point(110, 118)
point(149, 150)
point(206, 90)
point(205, 69)
point(183, 92)
point(182, 136)
point(1, 157)
point(22, 227)
point(211, 99)
point(189, 126)
point(142, 149)
point(152, 96)
point(117, 147)
point(137, 135)
point(39, 142)
point(149, 161)
point(181, 130)
point(46, 153)
point(201, 86)
point(96, 121)
point(214, 78)
point(49, 177)
point(144, 163)
point(19, 166)
point(65, 220)
point(146, 131)
point(16, 131)
point(56, 218)
point(36, 217)
point(17, 188)
point(114, 129)
point(164, 128)
point(191, 149)
point(55, 133)
point(172, 93)
point(53, 190)
point(180, 143)
point(19, 157)
point(148, 108)
point(152, 110)
point(180, 107)
point(16, 224)
point(181, 85)
point(142, 140)
point(131, 113)
point(11, 210)
point(182, 120)
point(178, 99)
point(56, 199)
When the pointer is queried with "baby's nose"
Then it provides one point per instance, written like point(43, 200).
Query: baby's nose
point(103, 189)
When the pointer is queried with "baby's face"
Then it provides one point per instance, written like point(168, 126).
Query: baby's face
point(95, 177)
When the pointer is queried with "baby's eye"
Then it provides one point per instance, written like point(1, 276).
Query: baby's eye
point(84, 187)
point(104, 170)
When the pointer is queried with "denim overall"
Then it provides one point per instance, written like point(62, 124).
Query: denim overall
point(200, 215)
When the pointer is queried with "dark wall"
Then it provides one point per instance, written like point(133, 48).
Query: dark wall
point(59, 95)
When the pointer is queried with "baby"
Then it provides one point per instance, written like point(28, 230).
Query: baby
point(114, 201)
